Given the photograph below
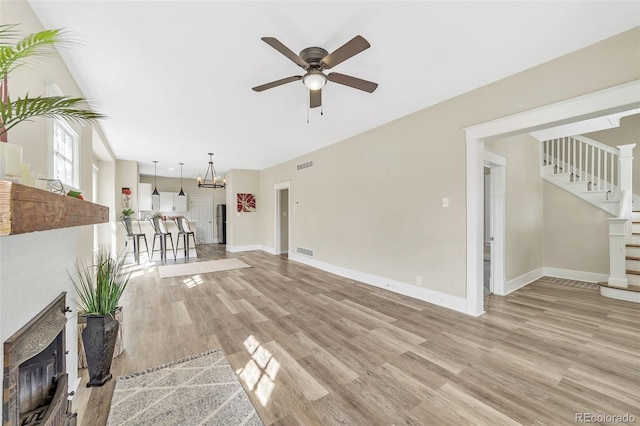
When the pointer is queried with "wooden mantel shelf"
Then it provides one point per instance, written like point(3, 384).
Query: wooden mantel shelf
point(25, 209)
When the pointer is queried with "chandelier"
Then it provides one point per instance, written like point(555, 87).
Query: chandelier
point(216, 181)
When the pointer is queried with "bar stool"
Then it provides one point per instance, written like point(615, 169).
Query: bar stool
point(160, 231)
point(184, 231)
point(127, 222)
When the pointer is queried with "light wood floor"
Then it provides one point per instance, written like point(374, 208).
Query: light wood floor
point(341, 352)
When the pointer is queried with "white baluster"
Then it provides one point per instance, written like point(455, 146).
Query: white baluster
point(593, 165)
point(607, 185)
point(573, 146)
point(580, 143)
point(599, 168)
point(612, 174)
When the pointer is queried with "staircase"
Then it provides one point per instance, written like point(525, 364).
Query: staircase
point(602, 176)
point(632, 252)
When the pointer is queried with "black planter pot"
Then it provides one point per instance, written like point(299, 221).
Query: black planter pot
point(99, 339)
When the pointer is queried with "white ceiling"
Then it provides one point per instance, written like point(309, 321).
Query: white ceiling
point(175, 77)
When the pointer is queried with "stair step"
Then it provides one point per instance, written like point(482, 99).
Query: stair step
point(630, 272)
point(633, 245)
point(632, 258)
point(630, 288)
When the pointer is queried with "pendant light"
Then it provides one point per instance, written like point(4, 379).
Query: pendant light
point(181, 193)
point(155, 178)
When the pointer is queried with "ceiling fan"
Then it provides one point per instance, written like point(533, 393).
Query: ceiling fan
point(314, 60)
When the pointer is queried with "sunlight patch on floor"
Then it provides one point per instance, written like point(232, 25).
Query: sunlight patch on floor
point(193, 281)
point(259, 374)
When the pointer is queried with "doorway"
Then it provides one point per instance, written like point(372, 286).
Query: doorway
point(603, 102)
point(282, 217)
point(487, 231)
point(493, 255)
point(202, 214)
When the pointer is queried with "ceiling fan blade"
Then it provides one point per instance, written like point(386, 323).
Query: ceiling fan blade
point(315, 98)
point(277, 83)
point(356, 83)
point(276, 44)
point(347, 50)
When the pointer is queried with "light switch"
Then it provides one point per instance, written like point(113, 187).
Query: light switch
point(445, 202)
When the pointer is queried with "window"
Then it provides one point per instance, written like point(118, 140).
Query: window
point(65, 154)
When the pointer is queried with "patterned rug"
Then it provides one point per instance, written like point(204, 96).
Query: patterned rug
point(199, 390)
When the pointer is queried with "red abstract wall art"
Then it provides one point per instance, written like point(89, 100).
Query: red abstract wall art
point(246, 203)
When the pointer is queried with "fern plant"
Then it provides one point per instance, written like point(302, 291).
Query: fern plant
point(15, 111)
point(100, 286)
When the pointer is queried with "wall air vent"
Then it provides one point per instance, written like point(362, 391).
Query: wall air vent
point(304, 165)
point(305, 251)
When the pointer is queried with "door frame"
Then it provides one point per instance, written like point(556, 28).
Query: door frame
point(277, 187)
point(497, 165)
point(623, 97)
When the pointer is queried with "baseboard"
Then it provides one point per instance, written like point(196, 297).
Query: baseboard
point(236, 249)
point(569, 274)
point(431, 296)
point(269, 250)
point(521, 281)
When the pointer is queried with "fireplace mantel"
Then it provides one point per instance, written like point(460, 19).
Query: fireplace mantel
point(25, 209)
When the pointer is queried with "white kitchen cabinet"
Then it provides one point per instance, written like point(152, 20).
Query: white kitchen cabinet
point(172, 202)
point(180, 203)
point(145, 202)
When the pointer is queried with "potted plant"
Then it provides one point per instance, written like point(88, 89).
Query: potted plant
point(99, 287)
point(14, 53)
point(14, 111)
point(127, 212)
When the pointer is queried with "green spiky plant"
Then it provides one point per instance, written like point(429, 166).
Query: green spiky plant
point(15, 111)
point(100, 286)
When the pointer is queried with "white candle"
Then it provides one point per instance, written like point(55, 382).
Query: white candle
point(11, 155)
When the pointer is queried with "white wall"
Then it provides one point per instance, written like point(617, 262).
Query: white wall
point(575, 233)
point(524, 227)
point(33, 272)
point(417, 160)
point(627, 133)
point(243, 228)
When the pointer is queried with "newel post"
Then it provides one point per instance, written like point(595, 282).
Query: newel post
point(617, 251)
point(626, 183)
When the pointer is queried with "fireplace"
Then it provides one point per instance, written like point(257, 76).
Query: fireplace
point(35, 388)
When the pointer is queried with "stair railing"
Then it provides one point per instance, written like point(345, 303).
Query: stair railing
point(586, 160)
point(603, 169)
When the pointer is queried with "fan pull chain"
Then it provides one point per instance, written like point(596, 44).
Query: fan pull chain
point(308, 104)
point(321, 109)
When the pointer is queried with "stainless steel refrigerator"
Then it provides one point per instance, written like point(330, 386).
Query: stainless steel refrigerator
point(221, 223)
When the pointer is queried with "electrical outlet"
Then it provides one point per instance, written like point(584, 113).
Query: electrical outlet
point(445, 202)
point(418, 280)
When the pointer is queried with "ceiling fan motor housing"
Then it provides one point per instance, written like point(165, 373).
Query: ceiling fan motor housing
point(313, 56)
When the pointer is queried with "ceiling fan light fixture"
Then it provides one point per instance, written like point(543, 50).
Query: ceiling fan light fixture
point(314, 80)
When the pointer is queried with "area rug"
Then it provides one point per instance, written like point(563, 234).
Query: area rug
point(182, 269)
point(199, 390)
